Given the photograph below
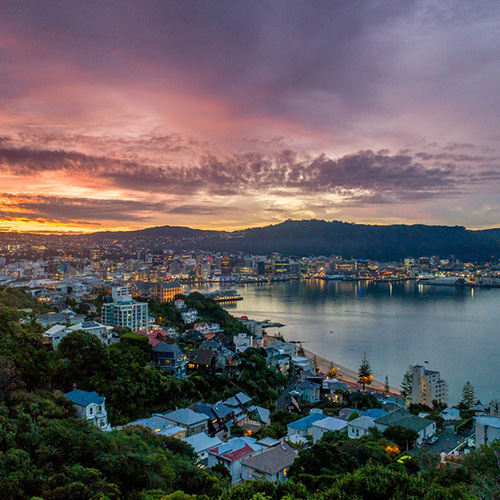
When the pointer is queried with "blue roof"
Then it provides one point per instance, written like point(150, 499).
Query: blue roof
point(84, 398)
point(185, 416)
point(152, 423)
point(306, 422)
point(374, 413)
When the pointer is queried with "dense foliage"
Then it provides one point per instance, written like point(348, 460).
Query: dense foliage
point(208, 310)
point(47, 453)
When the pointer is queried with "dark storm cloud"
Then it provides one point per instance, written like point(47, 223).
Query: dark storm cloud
point(376, 177)
point(75, 210)
point(260, 55)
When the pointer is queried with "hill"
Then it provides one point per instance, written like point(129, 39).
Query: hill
point(319, 237)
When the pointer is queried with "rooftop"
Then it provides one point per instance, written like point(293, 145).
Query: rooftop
point(185, 416)
point(306, 422)
point(84, 398)
point(201, 442)
point(273, 460)
point(489, 421)
point(331, 424)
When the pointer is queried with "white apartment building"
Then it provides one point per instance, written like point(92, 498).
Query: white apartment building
point(428, 386)
point(126, 312)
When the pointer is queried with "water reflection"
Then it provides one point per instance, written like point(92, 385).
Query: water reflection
point(397, 324)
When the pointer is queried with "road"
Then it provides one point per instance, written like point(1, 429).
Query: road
point(350, 377)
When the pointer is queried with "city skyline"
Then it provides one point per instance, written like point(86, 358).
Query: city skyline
point(235, 115)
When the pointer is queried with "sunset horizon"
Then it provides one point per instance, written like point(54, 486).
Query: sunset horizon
point(115, 116)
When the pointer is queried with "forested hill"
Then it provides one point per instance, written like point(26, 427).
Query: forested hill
point(319, 237)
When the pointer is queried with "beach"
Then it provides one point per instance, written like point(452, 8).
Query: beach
point(350, 377)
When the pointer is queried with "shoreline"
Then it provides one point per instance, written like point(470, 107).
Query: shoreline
point(350, 377)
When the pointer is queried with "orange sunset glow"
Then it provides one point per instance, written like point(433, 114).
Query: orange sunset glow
point(241, 117)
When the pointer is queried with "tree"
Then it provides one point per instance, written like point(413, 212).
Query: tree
point(353, 415)
point(407, 382)
point(404, 438)
point(332, 372)
point(365, 374)
point(300, 350)
point(386, 386)
point(468, 396)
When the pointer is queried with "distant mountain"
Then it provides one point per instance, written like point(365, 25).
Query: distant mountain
point(319, 237)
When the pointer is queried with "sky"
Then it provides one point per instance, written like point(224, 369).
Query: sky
point(232, 114)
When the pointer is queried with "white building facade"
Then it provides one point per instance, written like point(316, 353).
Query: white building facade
point(126, 312)
point(428, 387)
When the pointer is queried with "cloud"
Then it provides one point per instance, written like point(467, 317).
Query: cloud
point(365, 175)
point(201, 210)
point(39, 208)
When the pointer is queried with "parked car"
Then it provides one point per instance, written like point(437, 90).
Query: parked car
point(432, 440)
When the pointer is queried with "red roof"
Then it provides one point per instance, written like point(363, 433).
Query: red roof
point(155, 337)
point(237, 454)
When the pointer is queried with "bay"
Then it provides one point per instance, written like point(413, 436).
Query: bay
point(457, 330)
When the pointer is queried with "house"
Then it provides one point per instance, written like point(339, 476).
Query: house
point(450, 414)
point(487, 429)
point(478, 408)
point(277, 360)
point(271, 465)
point(193, 422)
point(155, 335)
point(304, 364)
point(90, 406)
point(287, 348)
point(254, 327)
point(206, 327)
point(66, 317)
point(303, 426)
point(241, 405)
point(102, 332)
point(423, 426)
point(360, 427)
point(220, 416)
point(232, 453)
point(309, 391)
point(243, 341)
point(170, 358)
point(202, 359)
point(201, 443)
point(374, 413)
point(495, 408)
point(179, 304)
point(193, 337)
point(160, 425)
point(328, 424)
point(56, 333)
point(333, 388)
point(189, 316)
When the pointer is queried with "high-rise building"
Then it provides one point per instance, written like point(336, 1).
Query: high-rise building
point(126, 312)
point(428, 387)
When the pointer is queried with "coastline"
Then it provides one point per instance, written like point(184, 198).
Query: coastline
point(350, 377)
